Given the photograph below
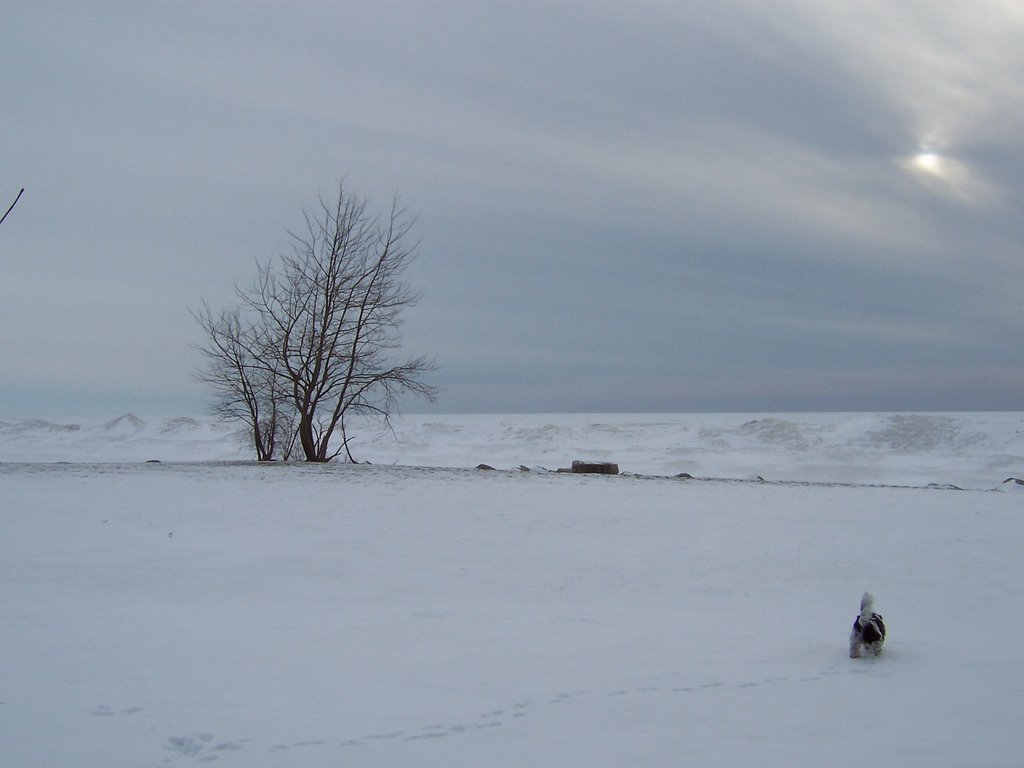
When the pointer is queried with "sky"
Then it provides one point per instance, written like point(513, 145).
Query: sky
point(710, 205)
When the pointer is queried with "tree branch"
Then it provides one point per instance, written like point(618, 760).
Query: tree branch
point(12, 205)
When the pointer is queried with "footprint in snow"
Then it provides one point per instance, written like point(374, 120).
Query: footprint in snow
point(297, 745)
point(102, 710)
point(391, 735)
point(520, 708)
point(201, 747)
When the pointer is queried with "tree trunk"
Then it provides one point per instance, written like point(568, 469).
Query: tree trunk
point(306, 438)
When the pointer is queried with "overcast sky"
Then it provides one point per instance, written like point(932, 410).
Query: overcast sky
point(699, 205)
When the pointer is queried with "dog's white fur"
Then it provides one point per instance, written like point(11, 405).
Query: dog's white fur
point(867, 606)
point(868, 629)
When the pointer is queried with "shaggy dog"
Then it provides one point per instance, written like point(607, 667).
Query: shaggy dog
point(868, 629)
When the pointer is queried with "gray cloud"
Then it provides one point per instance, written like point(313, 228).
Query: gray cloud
point(709, 205)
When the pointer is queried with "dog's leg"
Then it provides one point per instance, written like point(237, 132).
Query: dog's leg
point(854, 645)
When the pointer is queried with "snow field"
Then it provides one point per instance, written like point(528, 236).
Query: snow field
point(245, 615)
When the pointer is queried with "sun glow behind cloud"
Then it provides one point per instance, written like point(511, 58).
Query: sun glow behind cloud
point(929, 162)
point(944, 174)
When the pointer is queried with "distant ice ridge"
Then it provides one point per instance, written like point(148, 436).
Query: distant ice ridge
point(123, 438)
point(968, 450)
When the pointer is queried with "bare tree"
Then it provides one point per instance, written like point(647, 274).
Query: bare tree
point(324, 324)
point(239, 368)
point(11, 208)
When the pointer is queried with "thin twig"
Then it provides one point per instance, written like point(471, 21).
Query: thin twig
point(12, 205)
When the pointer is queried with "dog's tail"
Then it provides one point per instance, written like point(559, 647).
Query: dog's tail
point(867, 606)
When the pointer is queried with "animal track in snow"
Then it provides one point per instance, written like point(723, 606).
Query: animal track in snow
point(200, 747)
point(566, 696)
point(297, 745)
point(102, 710)
point(522, 708)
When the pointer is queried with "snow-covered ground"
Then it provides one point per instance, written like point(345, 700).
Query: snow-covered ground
point(419, 612)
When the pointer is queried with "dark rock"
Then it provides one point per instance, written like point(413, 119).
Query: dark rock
point(485, 466)
point(595, 467)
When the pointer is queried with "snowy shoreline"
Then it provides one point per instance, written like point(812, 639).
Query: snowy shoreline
point(967, 450)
